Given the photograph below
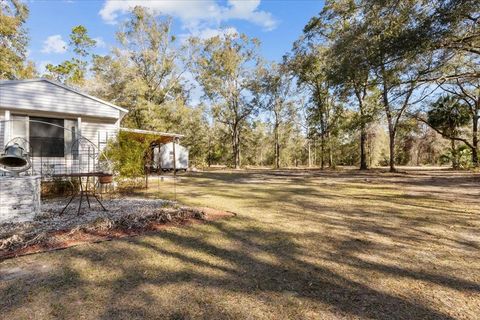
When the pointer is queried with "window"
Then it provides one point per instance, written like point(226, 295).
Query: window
point(102, 139)
point(74, 145)
point(71, 143)
point(47, 137)
point(19, 127)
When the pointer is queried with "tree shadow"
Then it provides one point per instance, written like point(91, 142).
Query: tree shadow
point(246, 267)
point(286, 274)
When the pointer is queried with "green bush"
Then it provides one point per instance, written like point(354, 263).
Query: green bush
point(464, 157)
point(127, 155)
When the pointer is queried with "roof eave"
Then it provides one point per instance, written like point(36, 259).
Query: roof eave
point(125, 111)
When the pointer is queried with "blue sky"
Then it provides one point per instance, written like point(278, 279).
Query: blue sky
point(276, 23)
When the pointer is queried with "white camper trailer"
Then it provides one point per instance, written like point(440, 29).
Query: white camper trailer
point(163, 157)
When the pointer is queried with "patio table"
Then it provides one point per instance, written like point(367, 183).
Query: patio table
point(83, 191)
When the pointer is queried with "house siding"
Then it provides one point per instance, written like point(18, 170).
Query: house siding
point(91, 130)
point(99, 132)
point(2, 126)
point(49, 97)
point(40, 98)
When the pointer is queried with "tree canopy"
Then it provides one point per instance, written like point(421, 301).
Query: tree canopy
point(368, 83)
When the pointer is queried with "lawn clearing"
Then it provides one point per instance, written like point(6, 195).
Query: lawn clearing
point(305, 245)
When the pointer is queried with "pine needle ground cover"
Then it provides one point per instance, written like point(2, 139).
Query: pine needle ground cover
point(304, 245)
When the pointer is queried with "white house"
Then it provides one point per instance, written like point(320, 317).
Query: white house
point(51, 117)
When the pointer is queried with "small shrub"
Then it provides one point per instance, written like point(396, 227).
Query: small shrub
point(127, 155)
point(58, 187)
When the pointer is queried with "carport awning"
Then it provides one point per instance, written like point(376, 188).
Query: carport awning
point(152, 136)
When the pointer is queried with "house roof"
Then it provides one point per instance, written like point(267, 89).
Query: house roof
point(12, 82)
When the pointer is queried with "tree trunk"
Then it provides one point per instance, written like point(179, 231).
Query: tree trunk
point(309, 155)
point(455, 164)
point(391, 136)
point(363, 137)
point(363, 154)
point(322, 149)
point(277, 147)
point(475, 141)
point(331, 163)
point(330, 154)
point(391, 126)
point(236, 147)
point(209, 155)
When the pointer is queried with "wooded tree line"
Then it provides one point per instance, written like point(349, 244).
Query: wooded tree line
point(368, 83)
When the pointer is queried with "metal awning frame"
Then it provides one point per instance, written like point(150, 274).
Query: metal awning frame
point(153, 136)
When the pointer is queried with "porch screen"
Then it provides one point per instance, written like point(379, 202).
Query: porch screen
point(48, 137)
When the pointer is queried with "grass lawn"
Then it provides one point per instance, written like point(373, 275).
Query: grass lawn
point(305, 245)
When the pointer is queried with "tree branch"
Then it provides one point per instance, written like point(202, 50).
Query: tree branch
point(442, 133)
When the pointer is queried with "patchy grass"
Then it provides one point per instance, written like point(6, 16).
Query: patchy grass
point(305, 245)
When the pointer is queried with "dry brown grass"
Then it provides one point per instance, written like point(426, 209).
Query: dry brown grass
point(305, 245)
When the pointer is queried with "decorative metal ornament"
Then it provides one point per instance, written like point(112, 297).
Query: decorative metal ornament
point(14, 156)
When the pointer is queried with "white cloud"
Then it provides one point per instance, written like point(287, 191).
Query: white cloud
point(100, 43)
point(247, 10)
point(54, 44)
point(210, 33)
point(207, 33)
point(195, 14)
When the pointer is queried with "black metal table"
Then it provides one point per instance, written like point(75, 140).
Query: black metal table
point(83, 192)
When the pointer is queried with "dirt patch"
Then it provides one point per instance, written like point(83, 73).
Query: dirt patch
point(34, 270)
point(125, 218)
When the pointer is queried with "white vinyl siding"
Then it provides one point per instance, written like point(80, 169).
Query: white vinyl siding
point(99, 133)
point(90, 130)
point(52, 165)
point(44, 96)
point(2, 126)
point(95, 131)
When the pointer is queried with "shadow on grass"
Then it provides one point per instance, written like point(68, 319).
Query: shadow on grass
point(211, 271)
point(242, 272)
